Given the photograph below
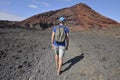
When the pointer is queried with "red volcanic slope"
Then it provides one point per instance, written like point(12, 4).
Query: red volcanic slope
point(79, 16)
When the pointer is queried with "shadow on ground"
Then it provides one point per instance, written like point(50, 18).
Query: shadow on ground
point(72, 62)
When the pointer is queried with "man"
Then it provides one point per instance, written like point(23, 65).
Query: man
point(60, 47)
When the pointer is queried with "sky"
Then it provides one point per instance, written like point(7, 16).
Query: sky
point(18, 10)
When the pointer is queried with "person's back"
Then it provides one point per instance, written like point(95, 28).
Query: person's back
point(60, 41)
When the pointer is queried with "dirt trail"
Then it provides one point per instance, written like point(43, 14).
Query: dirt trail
point(92, 55)
point(46, 70)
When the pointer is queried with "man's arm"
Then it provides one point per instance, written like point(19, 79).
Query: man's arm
point(52, 39)
point(67, 41)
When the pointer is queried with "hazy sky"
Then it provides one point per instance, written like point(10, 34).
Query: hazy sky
point(22, 9)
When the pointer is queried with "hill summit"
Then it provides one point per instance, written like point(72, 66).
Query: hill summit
point(79, 16)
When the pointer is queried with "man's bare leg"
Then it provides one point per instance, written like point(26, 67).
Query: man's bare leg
point(57, 60)
point(59, 66)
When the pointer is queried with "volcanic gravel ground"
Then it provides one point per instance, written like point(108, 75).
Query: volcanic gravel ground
point(92, 55)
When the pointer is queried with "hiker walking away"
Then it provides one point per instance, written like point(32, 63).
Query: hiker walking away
point(60, 42)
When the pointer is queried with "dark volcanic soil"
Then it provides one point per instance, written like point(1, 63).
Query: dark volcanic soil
point(92, 55)
point(20, 52)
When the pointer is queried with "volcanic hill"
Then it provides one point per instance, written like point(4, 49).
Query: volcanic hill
point(79, 16)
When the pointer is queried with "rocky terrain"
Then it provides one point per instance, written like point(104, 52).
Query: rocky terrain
point(20, 52)
point(8, 24)
point(92, 55)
